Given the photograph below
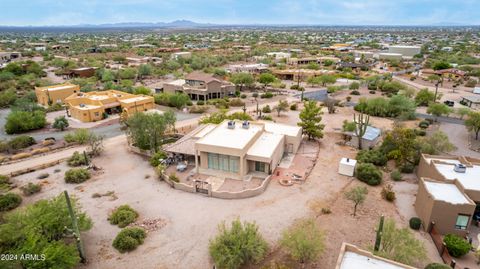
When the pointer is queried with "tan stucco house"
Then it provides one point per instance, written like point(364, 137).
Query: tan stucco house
point(200, 86)
point(49, 95)
point(352, 257)
point(92, 106)
point(448, 193)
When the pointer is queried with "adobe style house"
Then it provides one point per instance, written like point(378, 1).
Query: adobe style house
point(351, 257)
point(82, 72)
point(451, 205)
point(200, 86)
point(236, 149)
point(49, 95)
point(94, 106)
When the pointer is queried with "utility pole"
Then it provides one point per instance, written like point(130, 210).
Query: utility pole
point(76, 231)
point(378, 238)
point(436, 91)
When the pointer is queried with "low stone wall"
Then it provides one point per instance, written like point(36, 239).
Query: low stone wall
point(216, 194)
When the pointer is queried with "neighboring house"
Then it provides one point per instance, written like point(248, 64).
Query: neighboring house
point(279, 55)
point(248, 68)
point(181, 54)
point(82, 72)
point(471, 101)
point(200, 86)
point(444, 204)
point(462, 173)
point(94, 106)
point(236, 149)
point(294, 74)
point(369, 139)
point(6, 57)
point(445, 73)
point(405, 51)
point(351, 257)
point(49, 95)
point(390, 56)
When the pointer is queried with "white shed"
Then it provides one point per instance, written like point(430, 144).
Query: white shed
point(347, 167)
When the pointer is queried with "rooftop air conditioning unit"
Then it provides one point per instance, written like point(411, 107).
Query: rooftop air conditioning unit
point(245, 124)
point(231, 124)
point(460, 168)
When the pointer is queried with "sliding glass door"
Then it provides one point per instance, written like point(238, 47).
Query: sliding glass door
point(223, 162)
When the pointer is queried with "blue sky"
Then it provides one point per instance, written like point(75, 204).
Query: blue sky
point(343, 12)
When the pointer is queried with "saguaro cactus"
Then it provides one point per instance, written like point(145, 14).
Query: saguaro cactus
point(361, 124)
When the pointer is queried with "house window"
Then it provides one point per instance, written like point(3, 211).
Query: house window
point(259, 167)
point(462, 222)
point(97, 114)
point(223, 162)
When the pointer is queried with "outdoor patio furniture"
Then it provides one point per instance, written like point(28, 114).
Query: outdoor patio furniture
point(181, 167)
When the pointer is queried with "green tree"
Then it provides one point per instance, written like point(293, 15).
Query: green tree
point(400, 244)
point(327, 79)
point(142, 90)
point(401, 145)
point(144, 70)
point(107, 75)
point(242, 80)
point(60, 123)
point(7, 97)
point(179, 100)
point(438, 109)
point(357, 195)
point(473, 123)
point(266, 79)
point(463, 111)
point(439, 65)
point(304, 241)
point(436, 143)
point(238, 245)
point(147, 131)
point(22, 121)
point(354, 86)
point(424, 97)
point(43, 228)
point(281, 106)
point(310, 120)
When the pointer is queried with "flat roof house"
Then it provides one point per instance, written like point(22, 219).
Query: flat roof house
point(92, 106)
point(444, 204)
point(452, 204)
point(351, 257)
point(236, 148)
point(49, 95)
point(200, 86)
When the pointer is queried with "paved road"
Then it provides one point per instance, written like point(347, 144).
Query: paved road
point(441, 119)
point(52, 157)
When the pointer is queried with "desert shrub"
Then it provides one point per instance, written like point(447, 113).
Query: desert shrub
point(293, 107)
point(22, 155)
point(39, 151)
point(236, 102)
point(369, 174)
point(372, 92)
point(48, 142)
point(420, 132)
point(157, 157)
point(456, 246)
point(423, 124)
point(304, 241)
point(243, 96)
point(43, 175)
point(129, 239)
point(437, 266)
point(200, 103)
point(395, 175)
point(415, 223)
point(374, 156)
point(20, 142)
point(9, 201)
point(78, 159)
point(266, 95)
point(198, 109)
point(266, 109)
point(348, 98)
point(471, 83)
point(31, 189)
point(123, 216)
point(388, 194)
point(239, 245)
point(22, 121)
point(355, 92)
point(173, 177)
point(80, 136)
point(407, 168)
point(76, 175)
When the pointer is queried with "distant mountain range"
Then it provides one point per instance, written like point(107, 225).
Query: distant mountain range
point(173, 24)
point(192, 24)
